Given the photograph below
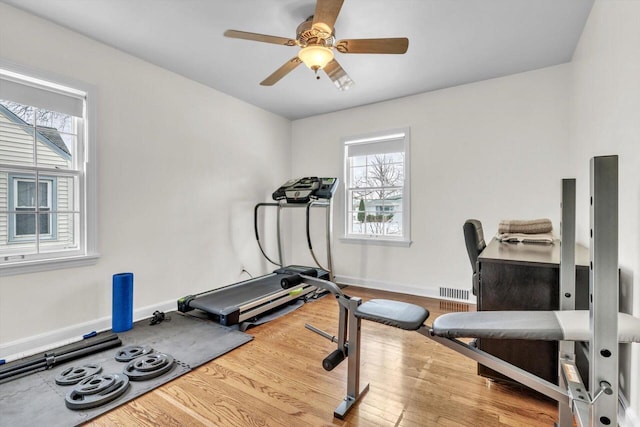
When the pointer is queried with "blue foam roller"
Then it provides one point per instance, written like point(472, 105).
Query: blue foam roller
point(122, 308)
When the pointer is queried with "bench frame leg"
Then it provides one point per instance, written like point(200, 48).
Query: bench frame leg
point(350, 326)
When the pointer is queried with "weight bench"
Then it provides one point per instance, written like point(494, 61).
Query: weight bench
point(529, 325)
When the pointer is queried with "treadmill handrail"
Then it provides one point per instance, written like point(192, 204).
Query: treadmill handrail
point(255, 227)
point(313, 254)
point(315, 203)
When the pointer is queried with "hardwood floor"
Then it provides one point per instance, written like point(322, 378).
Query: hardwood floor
point(278, 380)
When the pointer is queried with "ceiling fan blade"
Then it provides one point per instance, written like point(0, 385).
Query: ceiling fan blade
point(235, 34)
point(338, 76)
point(391, 45)
point(324, 18)
point(281, 72)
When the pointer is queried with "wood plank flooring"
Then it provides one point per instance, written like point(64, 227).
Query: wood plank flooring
point(278, 380)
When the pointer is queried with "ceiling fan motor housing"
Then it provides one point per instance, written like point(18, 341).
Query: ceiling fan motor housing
point(307, 34)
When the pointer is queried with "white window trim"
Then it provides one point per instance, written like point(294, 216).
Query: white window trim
point(405, 240)
point(89, 222)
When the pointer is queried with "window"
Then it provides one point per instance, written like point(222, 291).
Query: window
point(377, 187)
point(47, 177)
point(22, 196)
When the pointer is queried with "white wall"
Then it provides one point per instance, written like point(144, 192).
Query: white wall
point(606, 120)
point(180, 168)
point(490, 150)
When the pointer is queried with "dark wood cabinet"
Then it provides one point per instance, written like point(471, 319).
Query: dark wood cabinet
point(517, 276)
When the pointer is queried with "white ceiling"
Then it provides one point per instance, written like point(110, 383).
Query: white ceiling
point(451, 42)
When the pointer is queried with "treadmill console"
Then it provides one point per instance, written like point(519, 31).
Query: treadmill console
point(304, 190)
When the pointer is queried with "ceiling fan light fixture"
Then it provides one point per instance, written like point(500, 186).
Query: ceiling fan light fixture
point(315, 57)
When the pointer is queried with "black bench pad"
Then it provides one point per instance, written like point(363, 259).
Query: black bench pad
point(393, 313)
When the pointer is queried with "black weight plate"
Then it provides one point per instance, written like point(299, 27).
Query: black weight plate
point(149, 366)
point(96, 391)
point(95, 384)
point(130, 352)
point(75, 374)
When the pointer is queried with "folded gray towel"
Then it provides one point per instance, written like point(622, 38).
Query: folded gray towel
point(534, 226)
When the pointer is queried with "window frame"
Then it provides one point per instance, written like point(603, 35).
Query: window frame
point(363, 140)
point(85, 170)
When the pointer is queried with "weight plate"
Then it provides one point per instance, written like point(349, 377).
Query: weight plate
point(75, 374)
point(149, 366)
point(130, 352)
point(96, 391)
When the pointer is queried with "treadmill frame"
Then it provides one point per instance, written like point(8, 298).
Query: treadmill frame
point(237, 313)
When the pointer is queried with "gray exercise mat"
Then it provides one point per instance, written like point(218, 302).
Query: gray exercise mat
point(37, 400)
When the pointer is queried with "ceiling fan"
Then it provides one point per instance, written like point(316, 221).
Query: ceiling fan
point(317, 42)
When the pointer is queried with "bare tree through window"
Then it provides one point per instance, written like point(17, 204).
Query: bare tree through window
point(40, 117)
point(381, 185)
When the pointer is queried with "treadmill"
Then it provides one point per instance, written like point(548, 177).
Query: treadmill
point(235, 303)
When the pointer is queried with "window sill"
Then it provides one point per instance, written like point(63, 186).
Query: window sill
point(376, 241)
point(35, 266)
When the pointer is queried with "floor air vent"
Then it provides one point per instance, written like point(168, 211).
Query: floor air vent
point(451, 306)
point(459, 294)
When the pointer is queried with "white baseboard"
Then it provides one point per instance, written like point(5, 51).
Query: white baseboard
point(43, 342)
point(427, 291)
